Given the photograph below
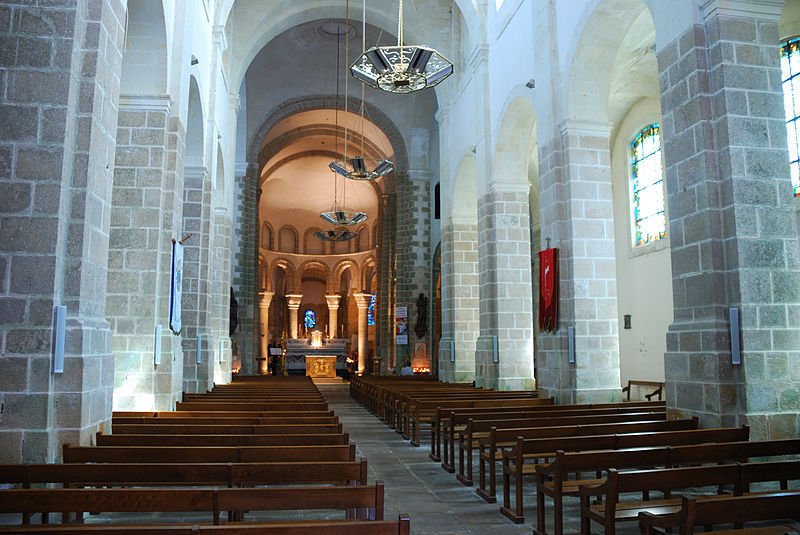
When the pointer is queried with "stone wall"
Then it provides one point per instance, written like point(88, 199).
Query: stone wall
point(59, 72)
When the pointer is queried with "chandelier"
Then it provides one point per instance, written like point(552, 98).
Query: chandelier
point(401, 68)
point(359, 167)
point(338, 216)
point(335, 235)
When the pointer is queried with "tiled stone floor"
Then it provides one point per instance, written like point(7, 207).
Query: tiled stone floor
point(435, 500)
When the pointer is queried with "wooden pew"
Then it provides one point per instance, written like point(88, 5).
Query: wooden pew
point(212, 501)
point(224, 420)
point(402, 526)
point(206, 454)
point(449, 420)
point(230, 429)
point(714, 510)
point(657, 389)
point(249, 406)
point(552, 479)
point(221, 414)
point(222, 440)
point(737, 476)
point(492, 448)
point(413, 412)
point(477, 429)
point(159, 472)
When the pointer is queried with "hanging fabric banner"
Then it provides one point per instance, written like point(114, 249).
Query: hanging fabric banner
point(175, 288)
point(548, 289)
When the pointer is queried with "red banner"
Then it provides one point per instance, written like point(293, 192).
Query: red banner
point(548, 289)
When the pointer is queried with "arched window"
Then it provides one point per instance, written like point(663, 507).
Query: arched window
point(310, 319)
point(648, 218)
point(790, 68)
point(371, 310)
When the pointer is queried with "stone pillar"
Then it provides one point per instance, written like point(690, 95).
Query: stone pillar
point(504, 352)
point(460, 301)
point(59, 77)
point(146, 217)
point(413, 249)
point(731, 222)
point(362, 302)
point(294, 306)
point(583, 233)
point(263, 308)
point(245, 265)
point(386, 299)
point(195, 309)
point(333, 313)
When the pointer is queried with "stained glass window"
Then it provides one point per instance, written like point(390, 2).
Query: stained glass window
point(647, 185)
point(310, 319)
point(790, 68)
point(371, 311)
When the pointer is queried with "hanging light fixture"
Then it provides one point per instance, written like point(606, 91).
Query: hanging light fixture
point(359, 167)
point(335, 234)
point(338, 216)
point(401, 68)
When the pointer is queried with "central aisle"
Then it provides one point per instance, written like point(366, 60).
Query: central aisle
point(437, 503)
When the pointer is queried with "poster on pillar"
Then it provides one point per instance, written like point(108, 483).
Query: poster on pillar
point(548, 289)
point(401, 325)
point(175, 287)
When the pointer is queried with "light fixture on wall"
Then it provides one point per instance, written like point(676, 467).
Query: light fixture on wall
point(401, 68)
point(359, 167)
point(337, 215)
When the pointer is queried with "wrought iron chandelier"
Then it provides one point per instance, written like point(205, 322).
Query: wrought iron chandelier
point(401, 68)
point(339, 216)
point(359, 167)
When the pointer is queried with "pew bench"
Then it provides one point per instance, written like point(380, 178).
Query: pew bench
point(207, 454)
point(703, 512)
point(237, 406)
point(618, 451)
point(222, 440)
point(737, 477)
point(656, 387)
point(449, 421)
point(494, 448)
point(415, 412)
point(367, 500)
point(402, 526)
point(477, 429)
point(229, 429)
point(158, 472)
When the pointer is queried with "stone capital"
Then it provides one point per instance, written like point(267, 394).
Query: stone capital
point(161, 103)
point(574, 127)
point(195, 171)
point(759, 9)
point(362, 300)
point(294, 300)
point(265, 299)
point(333, 301)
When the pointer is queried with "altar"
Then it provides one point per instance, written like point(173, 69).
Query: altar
point(300, 352)
point(321, 366)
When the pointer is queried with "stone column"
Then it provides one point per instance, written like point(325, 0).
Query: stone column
point(263, 309)
point(362, 302)
point(58, 111)
point(146, 216)
point(196, 310)
point(731, 222)
point(460, 300)
point(245, 261)
point(385, 301)
point(294, 306)
point(333, 313)
point(583, 233)
point(504, 353)
point(413, 247)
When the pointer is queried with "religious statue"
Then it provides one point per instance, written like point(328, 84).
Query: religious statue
point(421, 327)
